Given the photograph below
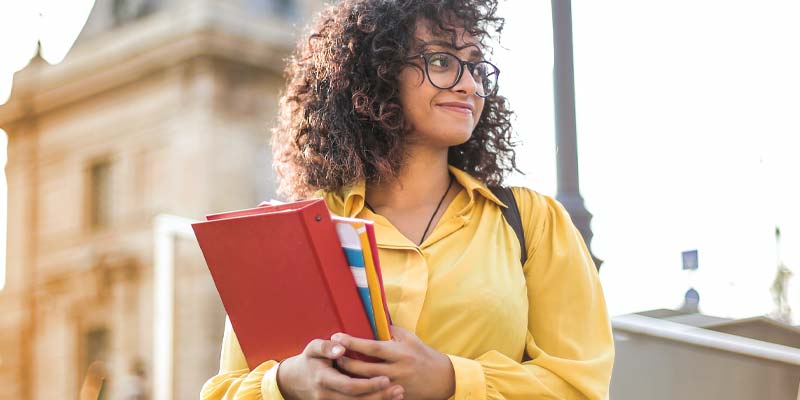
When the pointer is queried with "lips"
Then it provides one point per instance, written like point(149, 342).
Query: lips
point(459, 107)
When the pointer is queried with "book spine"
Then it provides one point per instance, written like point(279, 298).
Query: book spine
point(355, 242)
point(333, 267)
point(355, 257)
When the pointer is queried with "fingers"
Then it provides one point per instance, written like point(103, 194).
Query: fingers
point(339, 386)
point(362, 368)
point(392, 393)
point(395, 392)
point(376, 348)
point(325, 382)
point(319, 348)
point(346, 385)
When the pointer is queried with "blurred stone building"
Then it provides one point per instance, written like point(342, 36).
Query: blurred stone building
point(161, 107)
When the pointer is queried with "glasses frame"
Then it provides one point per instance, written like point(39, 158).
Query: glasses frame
point(469, 64)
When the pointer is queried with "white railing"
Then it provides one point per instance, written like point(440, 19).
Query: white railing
point(668, 330)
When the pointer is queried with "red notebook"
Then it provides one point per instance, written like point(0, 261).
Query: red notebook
point(283, 278)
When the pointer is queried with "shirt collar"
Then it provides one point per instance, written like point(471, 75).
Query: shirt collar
point(473, 185)
point(349, 201)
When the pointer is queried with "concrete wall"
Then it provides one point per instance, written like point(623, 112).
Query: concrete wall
point(656, 369)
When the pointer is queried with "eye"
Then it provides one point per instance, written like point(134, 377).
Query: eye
point(439, 61)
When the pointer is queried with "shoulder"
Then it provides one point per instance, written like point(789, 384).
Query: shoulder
point(533, 203)
point(542, 217)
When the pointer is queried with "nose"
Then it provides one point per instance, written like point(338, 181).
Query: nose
point(466, 83)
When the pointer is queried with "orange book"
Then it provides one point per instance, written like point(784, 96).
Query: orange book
point(376, 263)
point(283, 278)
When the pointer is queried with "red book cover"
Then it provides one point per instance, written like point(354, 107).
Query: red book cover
point(283, 278)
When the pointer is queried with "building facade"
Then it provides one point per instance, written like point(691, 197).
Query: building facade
point(162, 107)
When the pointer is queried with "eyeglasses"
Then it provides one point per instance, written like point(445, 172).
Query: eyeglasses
point(444, 71)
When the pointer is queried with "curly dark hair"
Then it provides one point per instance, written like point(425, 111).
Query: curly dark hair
point(341, 120)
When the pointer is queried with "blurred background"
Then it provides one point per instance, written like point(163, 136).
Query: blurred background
point(687, 123)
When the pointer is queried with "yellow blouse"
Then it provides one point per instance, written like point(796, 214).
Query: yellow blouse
point(535, 332)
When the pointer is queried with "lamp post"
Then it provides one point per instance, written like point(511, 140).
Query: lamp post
point(568, 192)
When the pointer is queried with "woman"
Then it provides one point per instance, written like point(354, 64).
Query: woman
point(392, 114)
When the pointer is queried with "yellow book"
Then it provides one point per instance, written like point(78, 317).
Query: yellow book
point(375, 287)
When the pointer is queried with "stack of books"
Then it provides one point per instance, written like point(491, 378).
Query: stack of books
point(291, 273)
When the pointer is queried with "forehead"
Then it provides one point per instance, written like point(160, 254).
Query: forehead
point(457, 39)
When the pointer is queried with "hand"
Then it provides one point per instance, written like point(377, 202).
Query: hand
point(423, 372)
point(310, 375)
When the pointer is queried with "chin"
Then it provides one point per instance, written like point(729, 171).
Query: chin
point(454, 136)
point(457, 138)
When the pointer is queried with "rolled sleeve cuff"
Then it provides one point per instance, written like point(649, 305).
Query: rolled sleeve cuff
point(269, 384)
point(470, 380)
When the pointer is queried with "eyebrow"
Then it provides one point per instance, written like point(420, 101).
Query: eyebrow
point(476, 53)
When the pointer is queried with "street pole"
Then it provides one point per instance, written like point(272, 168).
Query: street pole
point(568, 192)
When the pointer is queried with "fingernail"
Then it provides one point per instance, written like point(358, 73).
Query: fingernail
point(336, 336)
point(336, 350)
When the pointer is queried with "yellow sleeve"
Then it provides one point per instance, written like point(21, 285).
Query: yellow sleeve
point(569, 341)
point(235, 380)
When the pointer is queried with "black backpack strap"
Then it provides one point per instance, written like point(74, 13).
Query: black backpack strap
point(512, 217)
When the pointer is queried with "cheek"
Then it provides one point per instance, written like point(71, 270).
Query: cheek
point(415, 96)
point(411, 81)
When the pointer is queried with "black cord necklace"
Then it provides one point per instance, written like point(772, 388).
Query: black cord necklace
point(449, 185)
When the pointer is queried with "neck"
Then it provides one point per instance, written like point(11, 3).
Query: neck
point(422, 181)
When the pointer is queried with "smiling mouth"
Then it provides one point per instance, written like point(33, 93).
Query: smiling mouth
point(456, 109)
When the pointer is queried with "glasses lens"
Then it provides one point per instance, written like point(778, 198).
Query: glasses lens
point(443, 70)
point(485, 76)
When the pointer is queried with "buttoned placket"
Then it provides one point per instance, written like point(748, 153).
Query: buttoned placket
point(413, 277)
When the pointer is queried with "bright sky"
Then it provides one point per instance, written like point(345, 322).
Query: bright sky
point(687, 119)
point(687, 116)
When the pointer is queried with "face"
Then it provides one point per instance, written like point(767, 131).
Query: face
point(441, 117)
